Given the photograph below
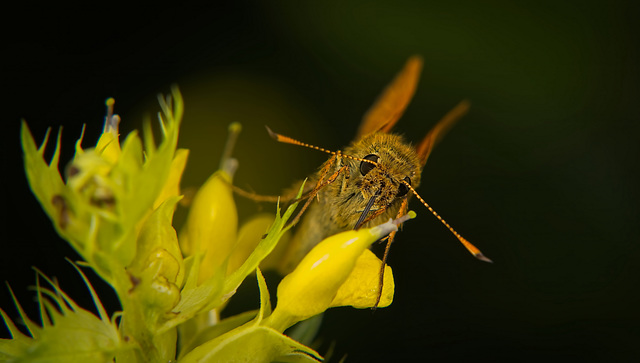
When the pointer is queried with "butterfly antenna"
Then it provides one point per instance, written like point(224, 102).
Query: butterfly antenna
point(468, 245)
point(292, 141)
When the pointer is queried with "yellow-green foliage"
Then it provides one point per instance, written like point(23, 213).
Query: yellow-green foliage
point(116, 209)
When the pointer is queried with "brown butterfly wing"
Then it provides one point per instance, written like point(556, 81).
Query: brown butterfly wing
point(391, 104)
point(440, 129)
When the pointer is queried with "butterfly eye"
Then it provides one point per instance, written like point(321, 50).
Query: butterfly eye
point(366, 167)
point(402, 188)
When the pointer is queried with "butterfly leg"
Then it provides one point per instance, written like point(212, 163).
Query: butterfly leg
point(402, 211)
point(319, 185)
point(288, 196)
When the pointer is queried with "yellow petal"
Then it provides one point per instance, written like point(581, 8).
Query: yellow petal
point(249, 236)
point(360, 290)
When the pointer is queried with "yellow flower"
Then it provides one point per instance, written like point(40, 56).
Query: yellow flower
point(330, 275)
point(110, 189)
point(116, 209)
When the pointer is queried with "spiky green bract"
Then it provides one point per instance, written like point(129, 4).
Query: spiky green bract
point(68, 332)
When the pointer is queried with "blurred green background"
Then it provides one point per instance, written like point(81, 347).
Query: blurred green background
point(542, 175)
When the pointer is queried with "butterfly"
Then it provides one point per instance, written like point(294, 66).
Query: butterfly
point(373, 178)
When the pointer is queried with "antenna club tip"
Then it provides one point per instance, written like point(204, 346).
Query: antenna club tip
point(272, 134)
point(412, 214)
point(482, 257)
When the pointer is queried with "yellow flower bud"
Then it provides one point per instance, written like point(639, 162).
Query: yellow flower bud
point(155, 287)
point(312, 287)
point(109, 144)
point(108, 147)
point(211, 225)
point(156, 239)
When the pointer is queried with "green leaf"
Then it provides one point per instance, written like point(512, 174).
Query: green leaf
point(226, 325)
point(265, 301)
point(44, 179)
point(69, 333)
point(215, 331)
point(18, 344)
point(251, 343)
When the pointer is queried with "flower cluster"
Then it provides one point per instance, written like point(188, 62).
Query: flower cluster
point(115, 207)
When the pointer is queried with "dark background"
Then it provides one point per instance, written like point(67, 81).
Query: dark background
point(541, 175)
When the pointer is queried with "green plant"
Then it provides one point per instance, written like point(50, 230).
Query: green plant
point(116, 209)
